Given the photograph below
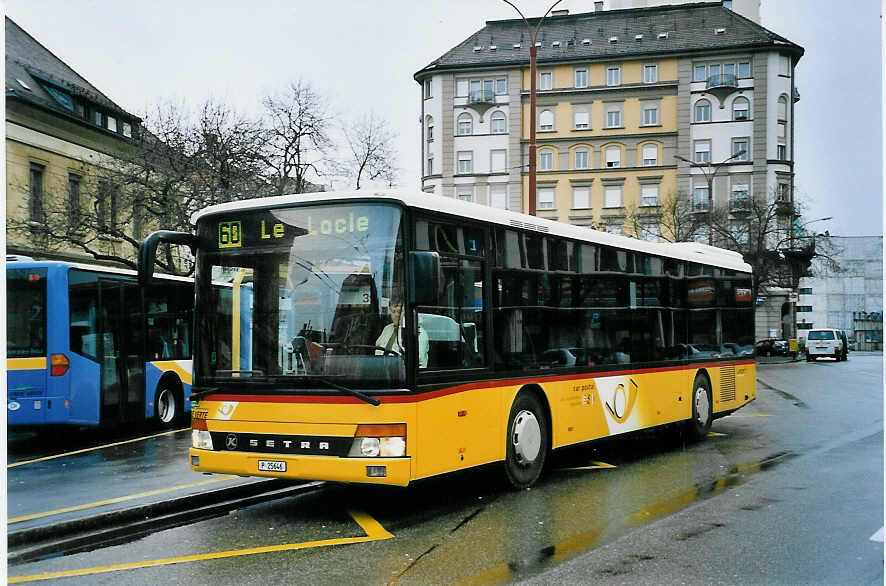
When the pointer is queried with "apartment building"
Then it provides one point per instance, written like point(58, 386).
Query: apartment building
point(620, 95)
point(61, 132)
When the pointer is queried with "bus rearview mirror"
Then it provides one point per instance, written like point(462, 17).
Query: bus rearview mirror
point(426, 277)
point(147, 251)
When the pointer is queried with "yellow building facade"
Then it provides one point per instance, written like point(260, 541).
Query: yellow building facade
point(606, 137)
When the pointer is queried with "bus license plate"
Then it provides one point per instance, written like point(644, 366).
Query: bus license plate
point(271, 466)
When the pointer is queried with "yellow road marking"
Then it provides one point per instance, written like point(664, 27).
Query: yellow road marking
point(83, 451)
point(373, 529)
point(112, 501)
point(716, 434)
point(593, 466)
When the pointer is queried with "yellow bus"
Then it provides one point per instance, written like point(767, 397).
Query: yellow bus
point(389, 337)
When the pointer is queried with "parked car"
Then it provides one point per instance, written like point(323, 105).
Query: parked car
point(563, 357)
point(771, 347)
point(825, 342)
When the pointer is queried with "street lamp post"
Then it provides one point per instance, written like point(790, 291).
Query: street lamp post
point(710, 170)
point(533, 53)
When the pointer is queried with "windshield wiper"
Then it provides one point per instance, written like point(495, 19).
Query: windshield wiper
point(363, 397)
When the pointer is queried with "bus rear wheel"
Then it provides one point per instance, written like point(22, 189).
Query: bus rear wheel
point(527, 441)
point(702, 408)
point(167, 407)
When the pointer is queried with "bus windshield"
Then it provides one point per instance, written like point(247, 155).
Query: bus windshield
point(25, 313)
point(297, 296)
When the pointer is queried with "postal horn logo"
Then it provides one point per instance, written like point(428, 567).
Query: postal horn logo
point(623, 400)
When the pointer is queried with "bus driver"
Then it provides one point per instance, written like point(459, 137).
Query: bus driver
point(391, 337)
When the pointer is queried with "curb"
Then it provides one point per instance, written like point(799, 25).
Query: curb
point(121, 525)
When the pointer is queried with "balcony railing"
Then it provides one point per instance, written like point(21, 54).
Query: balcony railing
point(724, 80)
point(482, 97)
point(740, 204)
point(699, 206)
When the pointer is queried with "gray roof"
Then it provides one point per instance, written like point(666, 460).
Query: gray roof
point(690, 28)
point(29, 61)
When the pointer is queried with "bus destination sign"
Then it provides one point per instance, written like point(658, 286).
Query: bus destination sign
point(268, 229)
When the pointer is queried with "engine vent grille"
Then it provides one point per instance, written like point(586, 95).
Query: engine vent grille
point(529, 226)
point(727, 384)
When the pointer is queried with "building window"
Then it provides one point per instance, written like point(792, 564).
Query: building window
point(740, 196)
point(581, 78)
point(740, 109)
point(430, 165)
point(613, 157)
point(430, 129)
point(739, 230)
point(466, 196)
point(545, 80)
point(546, 160)
point(581, 198)
point(700, 198)
point(650, 73)
point(465, 162)
point(581, 158)
point(744, 69)
point(127, 130)
point(74, 199)
point(781, 152)
point(613, 116)
point(615, 229)
point(106, 206)
point(35, 202)
point(581, 119)
point(702, 151)
point(465, 124)
point(650, 155)
point(805, 291)
point(742, 146)
point(650, 231)
point(613, 75)
point(501, 86)
point(699, 73)
point(97, 118)
point(804, 308)
point(112, 124)
point(546, 120)
point(545, 199)
point(782, 108)
point(498, 161)
point(499, 123)
point(784, 65)
point(462, 87)
point(612, 197)
point(702, 111)
point(428, 89)
point(650, 115)
point(649, 194)
point(782, 192)
point(498, 196)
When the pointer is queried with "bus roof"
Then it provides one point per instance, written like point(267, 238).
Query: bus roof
point(30, 263)
point(689, 251)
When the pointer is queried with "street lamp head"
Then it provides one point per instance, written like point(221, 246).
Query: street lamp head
point(682, 158)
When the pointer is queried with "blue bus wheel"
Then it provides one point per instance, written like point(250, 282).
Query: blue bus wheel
point(167, 407)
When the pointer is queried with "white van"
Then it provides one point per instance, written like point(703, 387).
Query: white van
point(824, 342)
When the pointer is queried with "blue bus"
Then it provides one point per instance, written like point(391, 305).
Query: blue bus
point(86, 346)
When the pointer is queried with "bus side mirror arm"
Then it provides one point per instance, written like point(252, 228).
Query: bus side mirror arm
point(147, 251)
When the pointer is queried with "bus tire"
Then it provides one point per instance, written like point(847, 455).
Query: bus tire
point(168, 406)
point(527, 441)
point(702, 408)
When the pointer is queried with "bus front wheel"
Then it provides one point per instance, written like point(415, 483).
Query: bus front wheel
point(702, 408)
point(527, 441)
point(167, 407)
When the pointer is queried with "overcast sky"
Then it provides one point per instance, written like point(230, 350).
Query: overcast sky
point(362, 56)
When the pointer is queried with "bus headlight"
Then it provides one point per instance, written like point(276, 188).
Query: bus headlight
point(385, 440)
point(201, 439)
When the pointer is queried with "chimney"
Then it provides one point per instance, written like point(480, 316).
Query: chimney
point(563, 12)
point(598, 6)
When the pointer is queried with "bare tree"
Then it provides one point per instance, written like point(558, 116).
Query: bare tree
point(372, 153)
point(674, 220)
point(295, 139)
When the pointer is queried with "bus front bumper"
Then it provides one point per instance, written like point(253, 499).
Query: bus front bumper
point(396, 471)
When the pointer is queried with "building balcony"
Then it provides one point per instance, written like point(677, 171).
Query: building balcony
point(740, 205)
point(699, 207)
point(721, 85)
point(481, 100)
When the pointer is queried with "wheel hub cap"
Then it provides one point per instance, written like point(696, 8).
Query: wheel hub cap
point(701, 405)
point(526, 437)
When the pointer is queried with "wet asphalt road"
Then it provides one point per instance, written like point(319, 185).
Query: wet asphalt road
point(788, 490)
